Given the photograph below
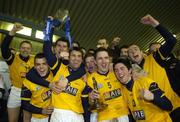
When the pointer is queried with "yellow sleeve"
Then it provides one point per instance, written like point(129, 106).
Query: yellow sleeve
point(28, 84)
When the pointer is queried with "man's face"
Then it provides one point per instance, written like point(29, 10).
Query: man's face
point(102, 61)
point(41, 66)
point(75, 59)
point(90, 64)
point(135, 54)
point(102, 43)
point(124, 52)
point(154, 48)
point(60, 47)
point(122, 73)
point(25, 49)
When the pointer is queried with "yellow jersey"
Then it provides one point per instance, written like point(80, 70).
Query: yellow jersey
point(158, 74)
point(70, 98)
point(142, 110)
point(18, 70)
point(110, 93)
point(41, 96)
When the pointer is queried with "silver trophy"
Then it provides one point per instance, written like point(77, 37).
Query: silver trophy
point(61, 15)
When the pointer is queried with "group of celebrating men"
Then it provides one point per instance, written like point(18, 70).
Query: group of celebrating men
point(58, 85)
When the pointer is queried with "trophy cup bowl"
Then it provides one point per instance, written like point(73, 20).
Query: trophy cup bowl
point(61, 15)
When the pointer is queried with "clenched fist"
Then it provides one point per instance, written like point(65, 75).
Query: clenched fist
point(62, 82)
point(16, 27)
point(146, 94)
point(149, 20)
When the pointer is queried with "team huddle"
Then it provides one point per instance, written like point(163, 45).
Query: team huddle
point(65, 84)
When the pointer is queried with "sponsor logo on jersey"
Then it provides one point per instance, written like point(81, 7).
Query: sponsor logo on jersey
point(71, 90)
point(138, 115)
point(112, 94)
point(46, 95)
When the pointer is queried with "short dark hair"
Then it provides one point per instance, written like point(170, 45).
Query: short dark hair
point(101, 49)
point(82, 48)
point(124, 46)
point(103, 37)
point(76, 49)
point(88, 55)
point(133, 44)
point(62, 39)
point(39, 55)
point(27, 42)
point(91, 50)
point(124, 61)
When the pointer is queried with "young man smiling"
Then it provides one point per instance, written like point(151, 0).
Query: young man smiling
point(145, 99)
point(152, 63)
point(35, 98)
point(109, 91)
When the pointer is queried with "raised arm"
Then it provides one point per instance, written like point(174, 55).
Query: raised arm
point(67, 31)
point(170, 40)
point(47, 47)
point(6, 52)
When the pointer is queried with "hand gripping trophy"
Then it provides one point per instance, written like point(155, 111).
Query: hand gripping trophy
point(60, 19)
point(97, 105)
point(63, 16)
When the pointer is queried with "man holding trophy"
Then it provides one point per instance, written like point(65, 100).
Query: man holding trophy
point(62, 46)
point(106, 98)
point(67, 104)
